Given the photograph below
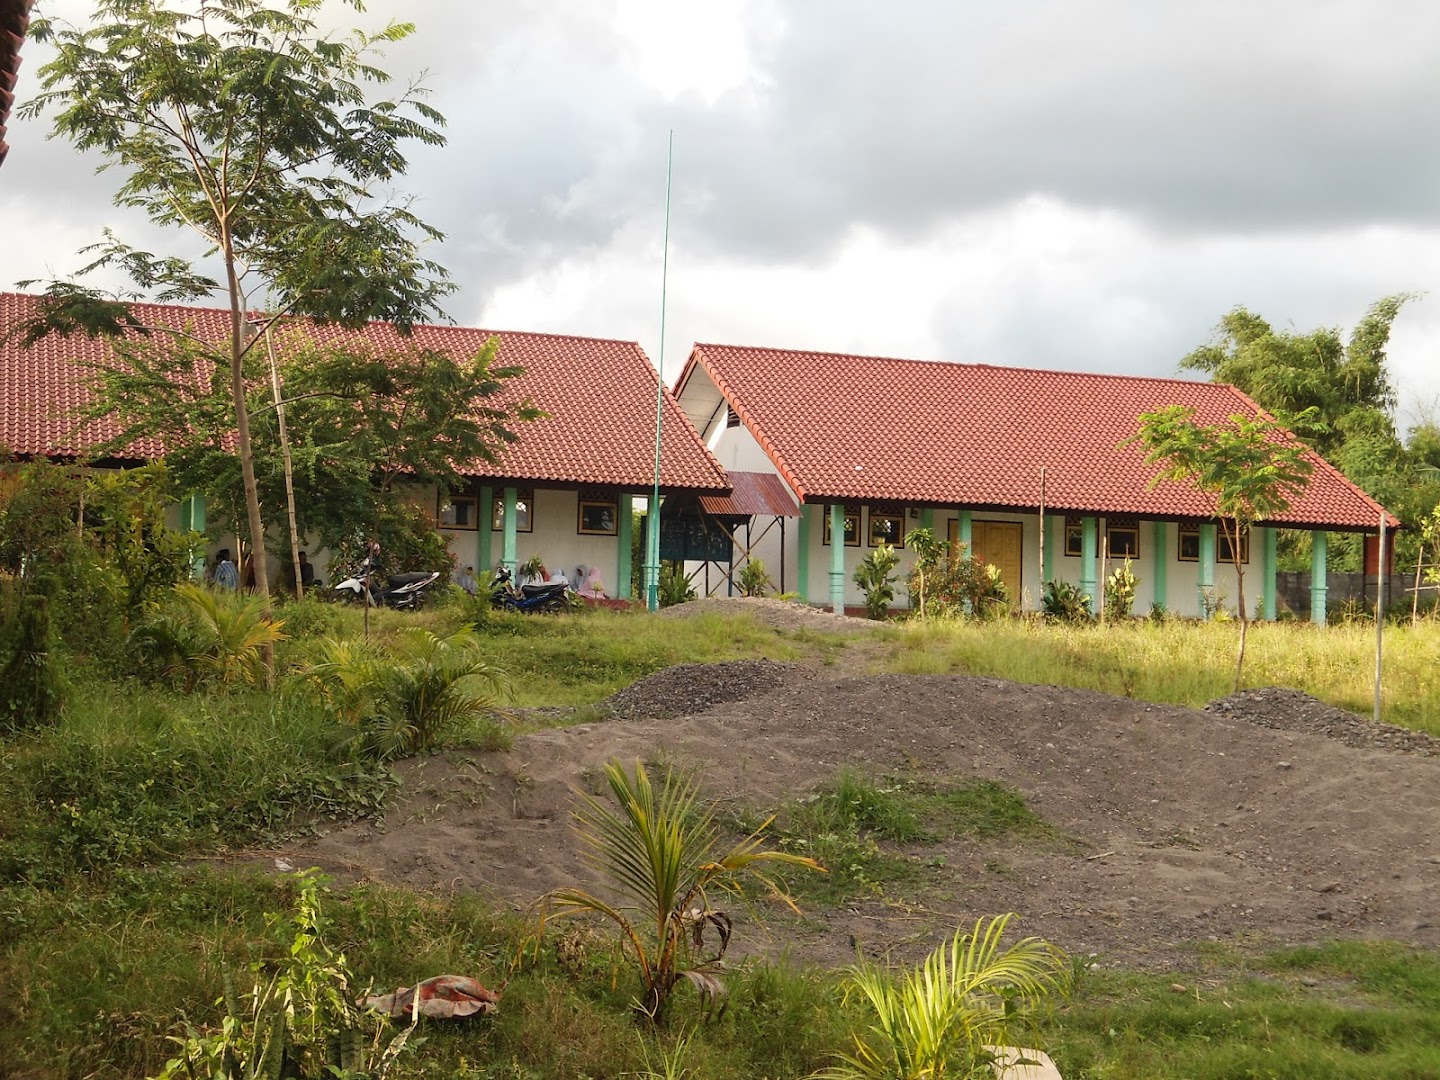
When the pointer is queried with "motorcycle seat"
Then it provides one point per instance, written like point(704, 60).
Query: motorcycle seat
point(400, 580)
point(541, 590)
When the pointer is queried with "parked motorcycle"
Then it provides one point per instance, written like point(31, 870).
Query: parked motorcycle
point(406, 592)
point(528, 598)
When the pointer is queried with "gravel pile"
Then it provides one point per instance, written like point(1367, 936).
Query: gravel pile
point(1290, 710)
point(687, 689)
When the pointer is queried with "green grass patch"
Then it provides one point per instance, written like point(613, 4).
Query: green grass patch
point(865, 830)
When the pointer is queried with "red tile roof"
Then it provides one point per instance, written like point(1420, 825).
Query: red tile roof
point(756, 494)
point(599, 394)
point(14, 20)
point(865, 428)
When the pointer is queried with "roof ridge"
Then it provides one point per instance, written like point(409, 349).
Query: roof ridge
point(964, 364)
point(212, 310)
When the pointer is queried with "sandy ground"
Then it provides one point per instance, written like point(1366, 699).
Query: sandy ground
point(1189, 826)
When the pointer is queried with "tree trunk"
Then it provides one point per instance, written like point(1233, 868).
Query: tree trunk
point(285, 456)
point(242, 439)
point(1240, 593)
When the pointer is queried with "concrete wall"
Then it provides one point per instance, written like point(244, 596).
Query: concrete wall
point(1293, 591)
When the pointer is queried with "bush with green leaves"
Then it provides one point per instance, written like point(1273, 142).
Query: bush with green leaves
point(407, 696)
point(31, 695)
point(202, 633)
point(1066, 602)
point(947, 580)
point(753, 578)
point(300, 1020)
point(657, 849)
point(674, 585)
point(876, 578)
point(937, 1020)
point(1120, 591)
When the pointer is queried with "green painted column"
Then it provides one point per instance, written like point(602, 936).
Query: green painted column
point(1319, 583)
point(927, 519)
point(652, 559)
point(837, 559)
point(624, 531)
point(1089, 547)
point(965, 532)
point(1160, 567)
point(1267, 571)
point(1205, 573)
point(486, 523)
point(1047, 572)
point(802, 554)
point(192, 519)
point(507, 545)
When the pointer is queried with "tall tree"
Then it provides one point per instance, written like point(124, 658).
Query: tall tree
point(1249, 465)
point(244, 123)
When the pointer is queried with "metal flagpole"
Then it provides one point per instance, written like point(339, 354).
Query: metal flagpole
point(652, 555)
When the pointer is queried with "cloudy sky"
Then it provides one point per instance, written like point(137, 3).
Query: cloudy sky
point(1085, 184)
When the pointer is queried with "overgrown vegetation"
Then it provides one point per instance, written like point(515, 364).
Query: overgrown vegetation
point(953, 582)
point(875, 577)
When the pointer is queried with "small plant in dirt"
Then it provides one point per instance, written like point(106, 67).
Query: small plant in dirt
point(30, 691)
point(876, 578)
point(1120, 591)
point(753, 578)
point(201, 633)
point(406, 697)
point(657, 849)
point(938, 1019)
point(929, 563)
point(1065, 602)
point(298, 1022)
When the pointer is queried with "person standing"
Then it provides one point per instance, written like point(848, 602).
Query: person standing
point(226, 575)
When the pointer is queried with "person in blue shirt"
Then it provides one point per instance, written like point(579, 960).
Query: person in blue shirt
point(226, 575)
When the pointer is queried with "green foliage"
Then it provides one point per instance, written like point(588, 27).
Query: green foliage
point(204, 633)
point(936, 1020)
point(1120, 591)
point(1065, 602)
point(407, 535)
point(1249, 466)
point(300, 1022)
point(659, 851)
point(753, 578)
point(953, 583)
point(876, 578)
point(30, 691)
point(674, 586)
point(407, 697)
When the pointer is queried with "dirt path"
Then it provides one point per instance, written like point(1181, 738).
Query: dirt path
point(1191, 826)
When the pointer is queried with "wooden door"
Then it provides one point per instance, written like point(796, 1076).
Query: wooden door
point(999, 544)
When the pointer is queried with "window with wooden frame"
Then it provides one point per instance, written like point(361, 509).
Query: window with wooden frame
point(524, 511)
point(1123, 541)
point(732, 418)
point(1074, 540)
point(598, 517)
point(1187, 547)
point(887, 526)
point(852, 527)
point(459, 512)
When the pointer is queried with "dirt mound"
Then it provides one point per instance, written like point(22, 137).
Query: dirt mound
point(1290, 710)
point(781, 614)
point(1187, 826)
point(688, 689)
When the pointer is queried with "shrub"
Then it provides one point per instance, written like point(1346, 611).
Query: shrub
point(1120, 591)
point(753, 580)
point(659, 851)
point(209, 633)
point(876, 578)
point(951, 582)
point(674, 587)
point(1065, 602)
point(405, 699)
point(938, 1019)
point(30, 692)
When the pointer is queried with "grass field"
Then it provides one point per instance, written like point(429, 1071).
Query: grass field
point(119, 912)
